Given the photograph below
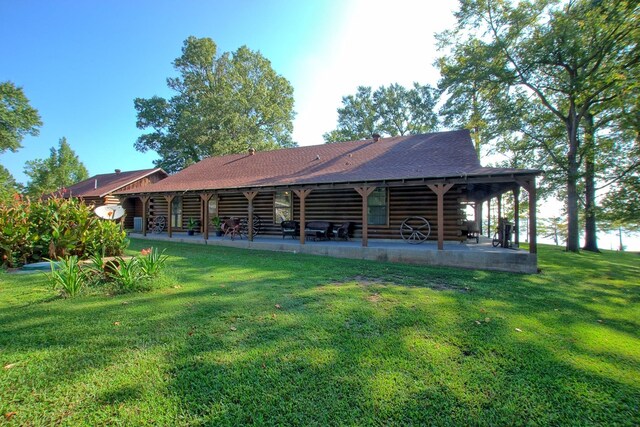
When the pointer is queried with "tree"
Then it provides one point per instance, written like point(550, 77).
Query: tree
point(8, 185)
point(17, 117)
point(563, 59)
point(391, 111)
point(61, 169)
point(223, 104)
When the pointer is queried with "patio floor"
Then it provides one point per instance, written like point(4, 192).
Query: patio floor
point(481, 256)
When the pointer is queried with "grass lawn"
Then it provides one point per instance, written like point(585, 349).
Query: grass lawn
point(232, 337)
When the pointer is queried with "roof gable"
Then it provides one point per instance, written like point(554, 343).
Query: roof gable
point(103, 184)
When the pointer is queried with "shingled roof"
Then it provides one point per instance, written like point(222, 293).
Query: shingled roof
point(434, 155)
point(107, 183)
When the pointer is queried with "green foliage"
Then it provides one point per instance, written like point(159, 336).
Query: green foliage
point(67, 276)
point(127, 275)
point(548, 70)
point(8, 185)
point(61, 169)
point(152, 261)
point(223, 104)
point(54, 228)
point(17, 117)
point(390, 111)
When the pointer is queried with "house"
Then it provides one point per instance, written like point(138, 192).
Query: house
point(99, 189)
point(375, 183)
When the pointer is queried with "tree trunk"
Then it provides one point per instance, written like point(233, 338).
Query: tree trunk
point(590, 226)
point(573, 234)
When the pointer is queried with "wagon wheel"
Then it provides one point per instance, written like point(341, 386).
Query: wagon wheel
point(244, 226)
point(496, 240)
point(158, 225)
point(415, 230)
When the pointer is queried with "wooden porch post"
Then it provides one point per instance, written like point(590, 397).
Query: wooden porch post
point(516, 215)
point(250, 195)
point(477, 216)
point(489, 217)
point(499, 206)
point(169, 199)
point(530, 186)
point(440, 190)
point(145, 201)
point(302, 195)
point(364, 192)
point(205, 197)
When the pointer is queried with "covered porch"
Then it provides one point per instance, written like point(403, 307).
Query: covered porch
point(468, 255)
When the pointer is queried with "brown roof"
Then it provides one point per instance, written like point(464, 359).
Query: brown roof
point(103, 184)
point(434, 155)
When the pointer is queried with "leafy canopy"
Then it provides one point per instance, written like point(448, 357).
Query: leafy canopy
point(61, 169)
point(223, 104)
point(392, 111)
point(17, 117)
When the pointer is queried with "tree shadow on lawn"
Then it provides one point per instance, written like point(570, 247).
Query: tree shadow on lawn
point(326, 361)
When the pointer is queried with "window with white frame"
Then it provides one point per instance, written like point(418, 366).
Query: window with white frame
point(283, 206)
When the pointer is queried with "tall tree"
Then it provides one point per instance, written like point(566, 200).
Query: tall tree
point(8, 185)
point(17, 117)
point(562, 56)
point(391, 111)
point(61, 169)
point(223, 104)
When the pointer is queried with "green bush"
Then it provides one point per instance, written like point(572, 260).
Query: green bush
point(54, 228)
point(152, 261)
point(67, 276)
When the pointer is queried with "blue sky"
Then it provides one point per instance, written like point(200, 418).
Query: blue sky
point(82, 63)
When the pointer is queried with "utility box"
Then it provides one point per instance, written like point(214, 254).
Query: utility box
point(137, 224)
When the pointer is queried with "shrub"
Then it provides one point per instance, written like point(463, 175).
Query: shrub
point(54, 228)
point(68, 276)
point(127, 275)
point(152, 261)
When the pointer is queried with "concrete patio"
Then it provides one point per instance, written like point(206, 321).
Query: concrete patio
point(480, 256)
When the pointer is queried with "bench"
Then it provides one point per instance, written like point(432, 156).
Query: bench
point(318, 230)
point(290, 228)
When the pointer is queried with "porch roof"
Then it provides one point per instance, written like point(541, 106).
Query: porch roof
point(428, 156)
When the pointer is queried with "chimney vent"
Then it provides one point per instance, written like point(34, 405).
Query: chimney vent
point(376, 137)
point(95, 184)
point(118, 171)
point(252, 151)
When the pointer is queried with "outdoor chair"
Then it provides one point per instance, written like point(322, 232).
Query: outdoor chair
point(345, 231)
point(290, 228)
point(231, 227)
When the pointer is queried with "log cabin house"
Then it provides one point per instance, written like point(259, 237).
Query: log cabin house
point(374, 183)
point(99, 189)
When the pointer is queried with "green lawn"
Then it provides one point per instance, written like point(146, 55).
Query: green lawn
point(233, 337)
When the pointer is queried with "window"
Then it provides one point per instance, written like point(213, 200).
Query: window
point(283, 207)
point(176, 212)
point(213, 207)
point(378, 207)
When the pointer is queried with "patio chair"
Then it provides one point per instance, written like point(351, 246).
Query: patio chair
point(290, 228)
point(231, 227)
point(345, 231)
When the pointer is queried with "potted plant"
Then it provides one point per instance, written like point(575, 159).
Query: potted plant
point(191, 226)
point(217, 223)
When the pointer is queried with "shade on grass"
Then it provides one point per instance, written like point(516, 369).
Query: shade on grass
point(233, 337)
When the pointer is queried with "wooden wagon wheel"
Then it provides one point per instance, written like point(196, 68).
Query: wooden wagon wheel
point(415, 230)
point(244, 226)
point(158, 225)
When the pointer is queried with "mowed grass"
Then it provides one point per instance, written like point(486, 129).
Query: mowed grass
point(234, 337)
